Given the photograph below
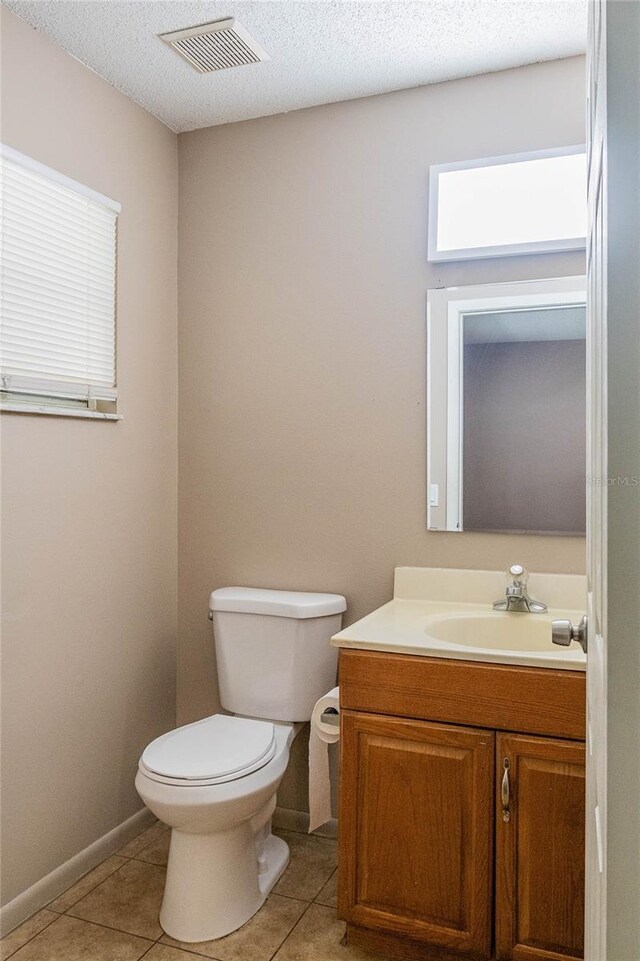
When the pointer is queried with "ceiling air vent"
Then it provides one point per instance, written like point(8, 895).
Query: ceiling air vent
point(215, 46)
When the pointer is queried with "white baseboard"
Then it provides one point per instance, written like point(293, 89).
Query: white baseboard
point(53, 884)
point(289, 820)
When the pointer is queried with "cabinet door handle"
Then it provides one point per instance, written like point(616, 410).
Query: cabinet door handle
point(506, 814)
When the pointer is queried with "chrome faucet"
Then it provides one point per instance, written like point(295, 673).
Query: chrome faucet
point(516, 596)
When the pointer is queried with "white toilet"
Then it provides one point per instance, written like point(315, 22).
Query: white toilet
point(214, 782)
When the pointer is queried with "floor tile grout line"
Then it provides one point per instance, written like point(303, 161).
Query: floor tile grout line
point(137, 857)
point(196, 954)
point(29, 940)
point(289, 933)
point(104, 880)
point(315, 900)
point(290, 897)
point(298, 897)
point(132, 857)
point(96, 885)
point(96, 924)
point(151, 946)
point(109, 927)
point(188, 950)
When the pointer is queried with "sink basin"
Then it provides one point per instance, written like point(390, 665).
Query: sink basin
point(446, 613)
point(493, 630)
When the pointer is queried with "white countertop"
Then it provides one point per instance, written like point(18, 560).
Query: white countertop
point(402, 626)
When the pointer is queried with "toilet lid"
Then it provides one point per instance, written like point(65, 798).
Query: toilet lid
point(218, 748)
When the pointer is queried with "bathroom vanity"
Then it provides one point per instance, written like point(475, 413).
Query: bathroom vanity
point(462, 774)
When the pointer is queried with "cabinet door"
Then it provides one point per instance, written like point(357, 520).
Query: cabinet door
point(539, 849)
point(416, 830)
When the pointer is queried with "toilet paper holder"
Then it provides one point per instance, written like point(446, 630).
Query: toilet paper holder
point(330, 716)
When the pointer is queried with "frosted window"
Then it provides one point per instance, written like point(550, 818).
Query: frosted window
point(523, 206)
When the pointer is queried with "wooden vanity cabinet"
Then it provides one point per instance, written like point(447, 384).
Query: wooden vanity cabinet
point(417, 824)
point(540, 849)
point(441, 856)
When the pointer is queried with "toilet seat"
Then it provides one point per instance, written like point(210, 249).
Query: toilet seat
point(212, 751)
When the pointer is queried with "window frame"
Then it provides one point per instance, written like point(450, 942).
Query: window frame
point(499, 250)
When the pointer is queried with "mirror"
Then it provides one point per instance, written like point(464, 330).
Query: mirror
point(506, 407)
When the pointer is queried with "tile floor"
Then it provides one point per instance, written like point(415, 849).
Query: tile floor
point(111, 914)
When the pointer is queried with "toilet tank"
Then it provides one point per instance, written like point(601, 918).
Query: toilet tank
point(272, 649)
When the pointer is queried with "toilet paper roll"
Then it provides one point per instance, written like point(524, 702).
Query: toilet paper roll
point(320, 737)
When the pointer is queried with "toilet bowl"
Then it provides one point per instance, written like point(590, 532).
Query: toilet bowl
point(214, 782)
point(223, 858)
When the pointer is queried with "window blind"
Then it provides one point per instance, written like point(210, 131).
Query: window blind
point(58, 284)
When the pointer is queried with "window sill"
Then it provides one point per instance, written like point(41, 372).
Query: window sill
point(12, 407)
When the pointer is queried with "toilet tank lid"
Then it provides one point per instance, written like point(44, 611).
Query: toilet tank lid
point(255, 600)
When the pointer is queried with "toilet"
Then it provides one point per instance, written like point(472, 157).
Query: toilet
point(214, 782)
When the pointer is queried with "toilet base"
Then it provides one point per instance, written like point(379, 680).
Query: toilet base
point(216, 882)
point(276, 854)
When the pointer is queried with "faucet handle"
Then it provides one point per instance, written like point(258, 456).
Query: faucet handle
point(516, 595)
point(518, 573)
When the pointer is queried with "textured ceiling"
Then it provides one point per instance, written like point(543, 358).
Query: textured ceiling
point(322, 50)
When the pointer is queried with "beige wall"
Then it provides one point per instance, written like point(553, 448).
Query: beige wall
point(302, 281)
point(90, 507)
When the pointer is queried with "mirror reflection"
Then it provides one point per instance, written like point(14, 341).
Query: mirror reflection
point(507, 408)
